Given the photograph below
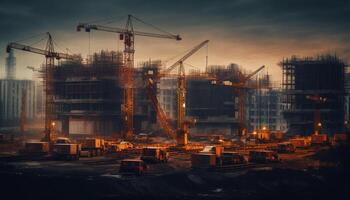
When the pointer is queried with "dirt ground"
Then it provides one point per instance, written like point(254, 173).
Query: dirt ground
point(306, 174)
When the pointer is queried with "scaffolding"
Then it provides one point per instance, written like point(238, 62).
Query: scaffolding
point(303, 78)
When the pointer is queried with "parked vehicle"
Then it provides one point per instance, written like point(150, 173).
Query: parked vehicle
point(36, 148)
point(132, 166)
point(66, 151)
point(263, 156)
point(300, 142)
point(125, 145)
point(285, 147)
point(154, 154)
point(320, 139)
point(92, 146)
point(203, 160)
point(217, 150)
point(232, 158)
point(63, 140)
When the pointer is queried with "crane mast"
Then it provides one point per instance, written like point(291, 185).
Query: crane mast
point(182, 124)
point(126, 72)
point(50, 56)
point(242, 99)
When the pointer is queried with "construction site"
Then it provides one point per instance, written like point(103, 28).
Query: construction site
point(113, 128)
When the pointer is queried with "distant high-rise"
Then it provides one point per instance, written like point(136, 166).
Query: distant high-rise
point(10, 69)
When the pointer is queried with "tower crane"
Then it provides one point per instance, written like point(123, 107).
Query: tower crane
point(240, 90)
point(126, 74)
point(181, 133)
point(50, 56)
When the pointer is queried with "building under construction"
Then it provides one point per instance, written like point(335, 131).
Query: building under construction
point(213, 105)
point(313, 94)
point(88, 97)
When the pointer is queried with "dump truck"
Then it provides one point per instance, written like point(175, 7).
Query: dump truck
point(92, 147)
point(232, 158)
point(154, 154)
point(263, 156)
point(132, 166)
point(66, 151)
point(36, 148)
point(285, 147)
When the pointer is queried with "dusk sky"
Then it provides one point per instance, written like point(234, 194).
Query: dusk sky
point(250, 33)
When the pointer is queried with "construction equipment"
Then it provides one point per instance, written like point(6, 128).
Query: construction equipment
point(154, 154)
point(285, 147)
point(181, 133)
point(263, 156)
point(94, 146)
point(66, 151)
point(36, 148)
point(126, 72)
point(132, 166)
point(50, 56)
point(240, 88)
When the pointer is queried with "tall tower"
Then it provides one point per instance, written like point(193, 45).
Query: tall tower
point(10, 70)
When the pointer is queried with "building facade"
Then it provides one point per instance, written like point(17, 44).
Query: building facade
point(13, 94)
point(264, 109)
point(314, 94)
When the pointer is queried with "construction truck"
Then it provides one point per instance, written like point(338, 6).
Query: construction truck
point(132, 166)
point(203, 160)
point(209, 157)
point(285, 147)
point(263, 156)
point(319, 139)
point(301, 142)
point(217, 150)
point(36, 148)
point(92, 147)
point(232, 158)
point(154, 154)
point(64, 149)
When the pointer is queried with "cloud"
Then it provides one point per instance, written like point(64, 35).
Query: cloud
point(252, 32)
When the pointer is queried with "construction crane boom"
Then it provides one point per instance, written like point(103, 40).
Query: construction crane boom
point(159, 111)
point(46, 53)
point(254, 73)
point(89, 27)
point(181, 133)
point(189, 54)
point(126, 72)
point(50, 56)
